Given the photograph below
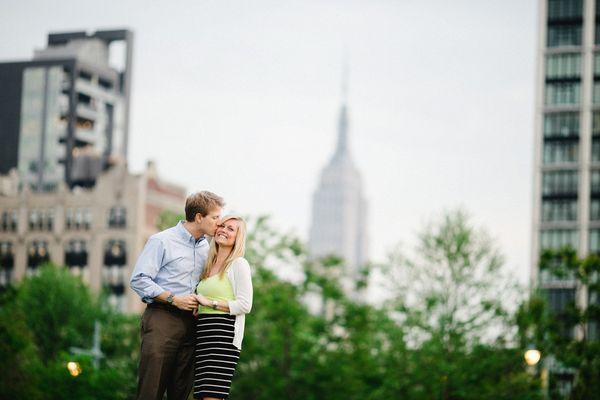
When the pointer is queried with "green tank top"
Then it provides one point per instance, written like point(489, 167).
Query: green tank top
point(215, 288)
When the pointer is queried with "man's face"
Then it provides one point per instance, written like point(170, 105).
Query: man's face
point(208, 224)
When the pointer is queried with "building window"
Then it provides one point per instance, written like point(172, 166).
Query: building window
point(35, 220)
point(115, 253)
point(595, 210)
point(595, 149)
point(560, 152)
point(596, 87)
point(87, 76)
point(76, 258)
point(595, 241)
point(562, 93)
point(547, 278)
point(559, 210)
point(105, 83)
point(37, 254)
point(41, 220)
point(561, 125)
point(113, 273)
point(78, 218)
point(559, 184)
point(596, 136)
point(560, 383)
point(597, 41)
point(564, 35)
point(563, 66)
point(595, 183)
point(7, 264)
point(560, 301)
point(596, 93)
point(558, 238)
point(559, 10)
point(117, 217)
point(8, 221)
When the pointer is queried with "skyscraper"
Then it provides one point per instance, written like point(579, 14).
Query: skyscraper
point(64, 114)
point(339, 209)
point(567, 148)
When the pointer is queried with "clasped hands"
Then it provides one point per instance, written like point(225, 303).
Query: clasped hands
point(190, 302)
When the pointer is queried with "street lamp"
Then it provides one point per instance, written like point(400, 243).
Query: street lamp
point(74, 368)
point(532, 357)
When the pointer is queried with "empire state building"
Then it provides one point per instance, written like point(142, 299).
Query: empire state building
point(339, 208)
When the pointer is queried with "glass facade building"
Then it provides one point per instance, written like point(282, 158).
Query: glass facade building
point(567, 152)
point(64, 116)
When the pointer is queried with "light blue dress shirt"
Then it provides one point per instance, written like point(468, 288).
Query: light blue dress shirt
point(172, 260)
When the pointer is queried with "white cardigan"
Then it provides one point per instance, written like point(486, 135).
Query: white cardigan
point(241, 280)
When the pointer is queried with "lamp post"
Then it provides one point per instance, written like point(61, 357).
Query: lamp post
point(532, 358)
point(95, 352)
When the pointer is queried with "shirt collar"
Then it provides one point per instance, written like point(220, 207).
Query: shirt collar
point(185, 234)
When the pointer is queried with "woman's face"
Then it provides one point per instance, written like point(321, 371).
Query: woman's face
point(227, 232)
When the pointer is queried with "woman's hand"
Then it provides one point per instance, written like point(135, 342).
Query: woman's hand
point(203, 300)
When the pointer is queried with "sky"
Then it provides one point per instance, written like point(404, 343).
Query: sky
point(242, 98)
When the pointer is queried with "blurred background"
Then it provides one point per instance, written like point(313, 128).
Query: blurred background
point(421, 178)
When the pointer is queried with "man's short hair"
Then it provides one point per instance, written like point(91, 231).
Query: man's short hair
point(201, 203)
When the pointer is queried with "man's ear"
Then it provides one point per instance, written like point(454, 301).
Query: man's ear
point(198, 218)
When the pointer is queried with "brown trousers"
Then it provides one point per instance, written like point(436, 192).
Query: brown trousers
point(167, 354)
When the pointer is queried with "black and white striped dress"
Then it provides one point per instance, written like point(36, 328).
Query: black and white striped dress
point(215, 356)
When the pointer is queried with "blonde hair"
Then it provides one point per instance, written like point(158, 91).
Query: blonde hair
point(238, 250)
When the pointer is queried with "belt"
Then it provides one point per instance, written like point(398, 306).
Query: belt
point(169, 308)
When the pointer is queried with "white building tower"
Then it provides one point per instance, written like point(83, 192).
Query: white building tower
point(339, 208)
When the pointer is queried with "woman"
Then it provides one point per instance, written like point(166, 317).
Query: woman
point(225, 296)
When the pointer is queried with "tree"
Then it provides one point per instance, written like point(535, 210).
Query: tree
point(167, 219)
point(46, 316)
point(450, 297)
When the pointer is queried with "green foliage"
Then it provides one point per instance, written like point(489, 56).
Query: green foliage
point(18, 354)
point(352, 350)
point(59, 310)
point(168, 219)
point(452, 287)
point(553, 331)
point(42, 319)
point(308, 339)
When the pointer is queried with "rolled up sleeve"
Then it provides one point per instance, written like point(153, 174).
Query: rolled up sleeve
point(243, 288)
point(146, 268)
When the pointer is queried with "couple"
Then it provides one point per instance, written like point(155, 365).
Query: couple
point(197, 295)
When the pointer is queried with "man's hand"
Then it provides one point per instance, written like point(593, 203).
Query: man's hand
point(186, 302)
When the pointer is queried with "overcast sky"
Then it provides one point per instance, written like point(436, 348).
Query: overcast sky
point(242, 98)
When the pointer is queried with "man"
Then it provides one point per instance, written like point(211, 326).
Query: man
point(165, 277)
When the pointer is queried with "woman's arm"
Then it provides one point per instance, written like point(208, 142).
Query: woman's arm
point(220, 306)
point(243, 288)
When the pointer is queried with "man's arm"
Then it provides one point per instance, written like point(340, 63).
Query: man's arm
point(186, 302)
point(146, 268)
point(142, 279)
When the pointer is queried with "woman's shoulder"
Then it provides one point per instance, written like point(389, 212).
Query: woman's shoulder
point(240, 263)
